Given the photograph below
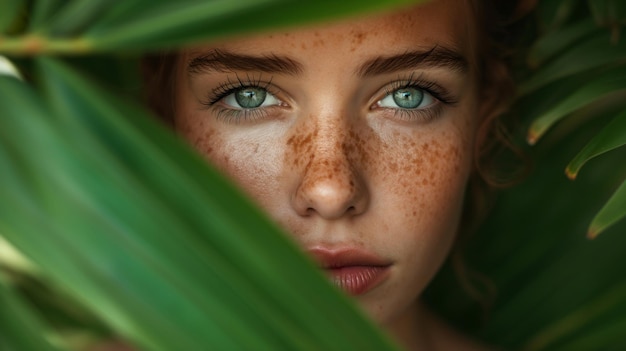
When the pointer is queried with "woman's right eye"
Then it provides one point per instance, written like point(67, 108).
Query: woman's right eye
point(407, 98)
point(250, 97)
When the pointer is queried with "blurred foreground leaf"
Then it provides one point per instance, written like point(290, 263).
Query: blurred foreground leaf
point(99, 26)
point(137, 228)
point(20, 328)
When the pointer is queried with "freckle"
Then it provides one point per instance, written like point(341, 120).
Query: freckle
point(358, 37)
point(393, 167)
point(303, 46)
point(318, 43)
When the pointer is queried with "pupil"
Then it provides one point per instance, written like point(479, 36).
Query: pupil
point(250, 97)
point(408, 97)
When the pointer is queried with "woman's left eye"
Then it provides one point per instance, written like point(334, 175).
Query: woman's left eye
point(250, 98)
point(407, 98)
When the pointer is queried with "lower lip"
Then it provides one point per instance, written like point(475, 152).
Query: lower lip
point(357, 280)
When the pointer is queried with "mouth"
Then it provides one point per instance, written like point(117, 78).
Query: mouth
point(354, 271)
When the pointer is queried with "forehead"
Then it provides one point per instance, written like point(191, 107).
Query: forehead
point(446, 23)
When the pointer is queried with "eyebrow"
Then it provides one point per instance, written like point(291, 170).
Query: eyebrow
point(224, 61)
point(438, 56)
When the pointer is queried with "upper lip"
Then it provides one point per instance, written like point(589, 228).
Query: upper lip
point(329, 258)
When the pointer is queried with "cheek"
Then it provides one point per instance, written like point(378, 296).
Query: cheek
point(429, 171)
point(425, 176)
point(250, 162)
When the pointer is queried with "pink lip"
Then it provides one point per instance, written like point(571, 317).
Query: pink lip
point(355, 271)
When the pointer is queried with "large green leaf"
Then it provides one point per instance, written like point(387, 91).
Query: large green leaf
point(75, 16)
point(142, 25)
point(134, 232)
point(20, 327)
point(9, 13)
point(42, 12)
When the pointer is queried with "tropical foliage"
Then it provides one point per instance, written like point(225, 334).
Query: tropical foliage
point(129, 234)
point(541, 284)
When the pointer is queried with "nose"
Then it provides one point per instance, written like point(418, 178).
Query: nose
point(331, 183)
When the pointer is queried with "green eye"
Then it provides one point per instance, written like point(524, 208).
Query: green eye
point(408, 98)
point(250, 98)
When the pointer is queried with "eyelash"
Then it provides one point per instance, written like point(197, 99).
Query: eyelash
point(230, 87)
point(439, 93)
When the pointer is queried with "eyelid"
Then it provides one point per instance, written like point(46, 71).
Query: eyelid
point(441, 96)
point(429, 86)
point(226, 88)
point(215, 100)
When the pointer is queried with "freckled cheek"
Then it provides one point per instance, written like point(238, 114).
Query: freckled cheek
point(428, 179)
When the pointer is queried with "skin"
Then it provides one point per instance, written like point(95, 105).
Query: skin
point(334, 164)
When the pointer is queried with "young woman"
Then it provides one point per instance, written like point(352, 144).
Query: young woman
point(359, 138)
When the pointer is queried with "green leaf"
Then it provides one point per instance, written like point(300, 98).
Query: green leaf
point(10, 10)
point(553, 13)
point(44, 11)
point(75, 16)
point(597, 51)
point(20, 327)
point(608, 82)
point(141, 231)
point(151, 25)
point(553, 43)
point(608, 12)
point(611, 137)
point(613, 211)
point(578, 319)
point(165, 24)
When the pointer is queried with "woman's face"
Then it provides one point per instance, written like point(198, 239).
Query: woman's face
point(356, 137)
